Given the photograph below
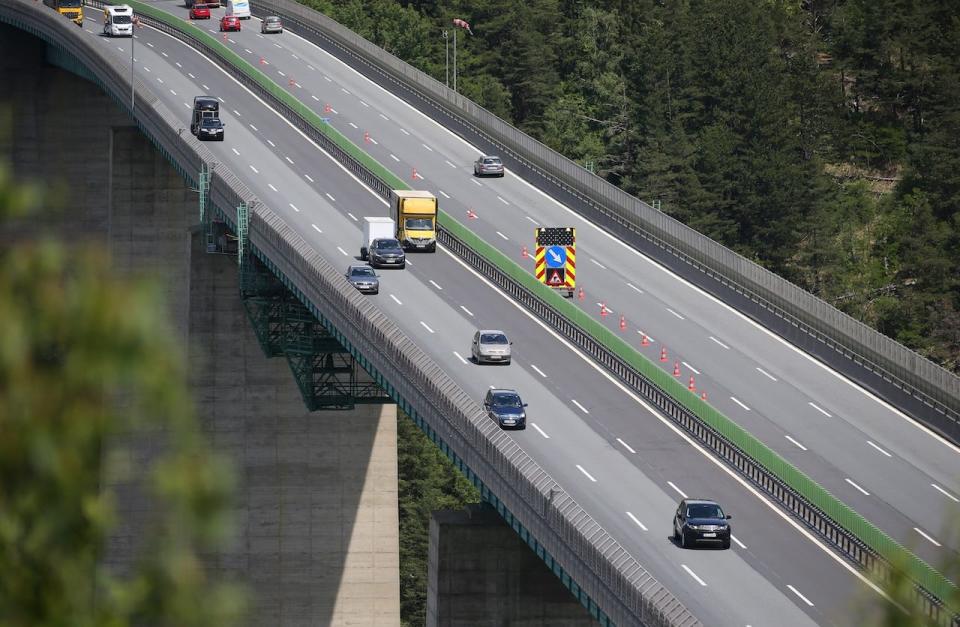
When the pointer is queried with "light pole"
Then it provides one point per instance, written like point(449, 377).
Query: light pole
point(446, 43)
point(133, 37)
point(454, 59)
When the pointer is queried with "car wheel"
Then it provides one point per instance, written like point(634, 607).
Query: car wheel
point(683, 538)
point(676, 536)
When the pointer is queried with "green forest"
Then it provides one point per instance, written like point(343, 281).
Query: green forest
point(819, 138)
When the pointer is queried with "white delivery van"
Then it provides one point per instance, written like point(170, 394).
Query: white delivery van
point(239, 8)
point(376, 228)
point(118, 21)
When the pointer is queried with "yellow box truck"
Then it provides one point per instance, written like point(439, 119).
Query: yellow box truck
point(415, 214)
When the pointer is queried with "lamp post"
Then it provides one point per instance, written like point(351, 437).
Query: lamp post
point(133, 37)
point(446, 43)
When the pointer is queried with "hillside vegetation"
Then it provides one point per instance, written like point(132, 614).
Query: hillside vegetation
point(820, 138)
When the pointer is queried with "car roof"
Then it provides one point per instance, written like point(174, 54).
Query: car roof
point(503, 391)
point(358, 267)
point(271, 18)
point(490, 331)
point(700, 502)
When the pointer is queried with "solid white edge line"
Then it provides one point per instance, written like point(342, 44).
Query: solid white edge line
point(626, 446)
point(588, 475)
point(920, 531)
point(945, 493)
point(800, 446)
point(694, 575)
point(634, 519)
point(679, 491)
point(879, 449)
point(460, 357)
point(540, 372)
point(797, 592)
point(851, 482)
point(395, 299)
point(542, 432)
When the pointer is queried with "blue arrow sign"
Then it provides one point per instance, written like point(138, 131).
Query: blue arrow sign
point(556, 257)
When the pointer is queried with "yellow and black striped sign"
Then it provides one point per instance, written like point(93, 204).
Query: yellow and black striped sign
point(556, 257)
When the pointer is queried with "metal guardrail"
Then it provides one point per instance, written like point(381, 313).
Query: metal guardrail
point(781, 481)
point(781, 305)
point(625, 591)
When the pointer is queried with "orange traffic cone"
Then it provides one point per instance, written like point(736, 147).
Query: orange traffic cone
point(663, 354)
point(471, 214)
point(623, 323)
point(263, 61)
point(366, 137)
point(691, 386)
point(676, 368)
point(644, 341)
point(524, 253)
point(703, 396)
point(327, 108)
point(414, 175)
point(603, 310)
point(580, 296)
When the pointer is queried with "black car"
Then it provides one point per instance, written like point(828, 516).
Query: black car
point(387, 252)
point(211, 128)
point(700, 520)
point(364, 279)
point(506, 408)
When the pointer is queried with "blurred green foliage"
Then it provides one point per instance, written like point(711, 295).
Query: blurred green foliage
point(88, 364)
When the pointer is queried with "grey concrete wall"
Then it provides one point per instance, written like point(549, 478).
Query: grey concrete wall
point(482, 575)
point(316, 509)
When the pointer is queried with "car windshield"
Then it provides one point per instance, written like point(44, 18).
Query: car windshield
point(419, 224)
point(211, 122)
point(273, 20)
point(362, 272)
point(493, 161)
point(506, 399)
point(121, 19)
point(493, 338)
point(386, 243)
point(704, 510)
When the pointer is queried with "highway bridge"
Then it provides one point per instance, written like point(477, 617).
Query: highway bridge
point(598, 465)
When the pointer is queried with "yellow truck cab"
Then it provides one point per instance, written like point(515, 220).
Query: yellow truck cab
point(415, 213)
point(72, 9)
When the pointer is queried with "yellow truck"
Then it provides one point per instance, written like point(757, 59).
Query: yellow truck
point(415, 214)
point(72, 9)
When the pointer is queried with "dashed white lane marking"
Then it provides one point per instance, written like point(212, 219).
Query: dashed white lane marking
point(404, 131)
point(230, 40)
point(469, 313)
point(272, 145)
point(427, 147)
point(205, 88)
point(694, 575)
point(719, 343)
point(634, 519)
point(160, 80)
point(679, 491)
point(426, 327)
point(150, 44)
point(542, 432)
point(848, 480)
point(332, 199)
point(588, 475)
point(626, 446)
point(173, 92)
point(476, 182)
point(248, 51)
point(822, 411)
point(766, 374)
point(294, 207)
point(294, 56)
point(255, 171)
point(443, 193)
point(345, 253)
point(344, 90)
point(450, 164)
point(945, 493)
point(879, 449)
point(797, 592)
point(384, 117)
point(689, 367)
point(218, 97)
point(934, 542)
point(598, 264)
point(316, 228)
point(352, 217)
point(503, 236)
point(540, 372)
point(178, 64)
point(531, 219)
point(289, 160)
point(460, 357)
point(270, 185)
point(255, 129)
point(237, 113)
point(164, 54)
point(307, 176)
point(364, 104)
point(435, 284)
point(394, 157)
point(501, 199)
point(735, 539)
point(738, 402)
point(186, 104)
point(352, 124)
point(327, 78)
point(373, 141)
point(276, 45)
point(798, 445)
point(675, 313)
point(235, 151)
point(332, 110)
point(395, 299)
point(311, 68)
point(650, 337)
point(191, 76)
point(314, 97)
point(258, 35)
point(146, 68)
point(634, 287)
point(582, 408)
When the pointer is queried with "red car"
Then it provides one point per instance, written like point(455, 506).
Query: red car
point(199, 12)
point(229, 22)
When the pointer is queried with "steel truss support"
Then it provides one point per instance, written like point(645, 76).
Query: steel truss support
point(327, 375)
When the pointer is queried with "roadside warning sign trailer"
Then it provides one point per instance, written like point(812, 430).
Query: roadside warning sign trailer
point(556, 258)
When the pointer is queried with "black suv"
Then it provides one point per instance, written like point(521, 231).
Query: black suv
point(210, 128)
point(699, 520)
point(506, 408)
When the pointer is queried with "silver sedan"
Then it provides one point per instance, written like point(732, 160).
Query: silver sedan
point(488, 166)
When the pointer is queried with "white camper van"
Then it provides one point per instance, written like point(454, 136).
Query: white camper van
point(118, 21)
point(239, 8)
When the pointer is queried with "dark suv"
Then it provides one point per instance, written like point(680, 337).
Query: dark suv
point(387, 252)
point(699, 520)
point(506, 408)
